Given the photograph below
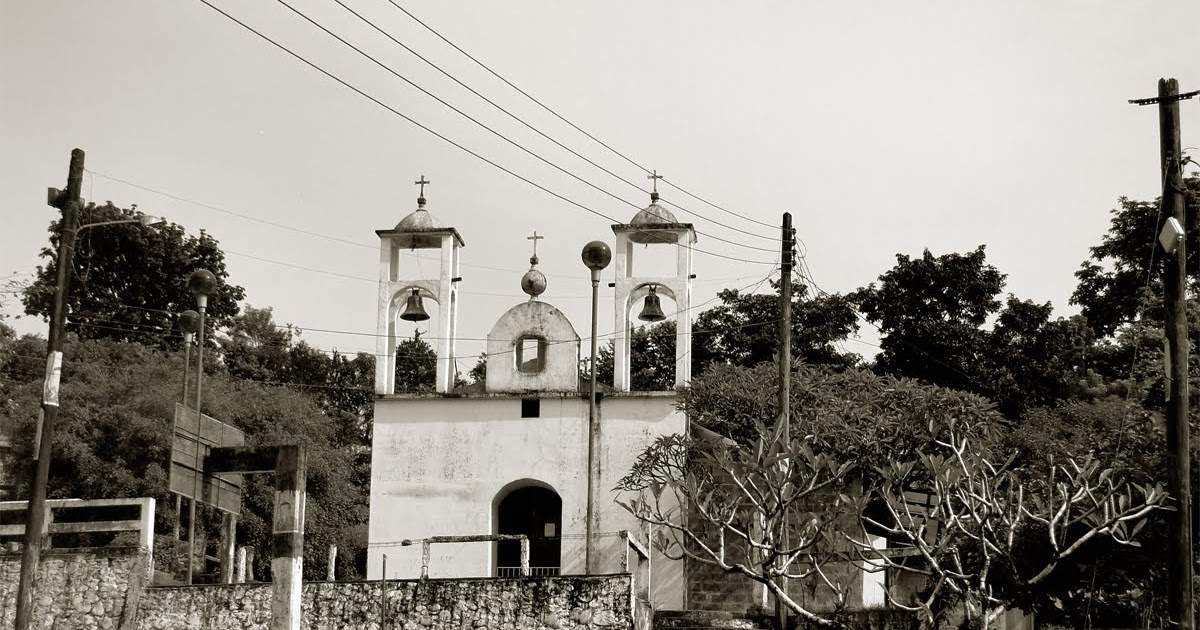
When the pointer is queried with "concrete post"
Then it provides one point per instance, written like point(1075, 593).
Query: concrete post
point(241, 564)
point(331, 566)
point(228, 547)
point(287, 545)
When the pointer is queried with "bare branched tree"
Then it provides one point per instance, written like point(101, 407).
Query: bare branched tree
point(974, 521)
point(716, 502)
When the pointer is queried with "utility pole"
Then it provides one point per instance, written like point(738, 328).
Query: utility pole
point(786, 261)
point(1179, 547)
point(69, 202)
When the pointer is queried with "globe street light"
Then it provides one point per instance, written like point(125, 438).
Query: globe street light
point(596, 255)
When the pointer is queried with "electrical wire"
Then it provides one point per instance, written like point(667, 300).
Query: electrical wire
point(564, 119)
point(484, 126)
point(440, 136)
point(541, 133)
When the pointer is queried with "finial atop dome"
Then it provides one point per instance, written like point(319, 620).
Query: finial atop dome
point(533, 282)
point(654, 177)
point(421, 195)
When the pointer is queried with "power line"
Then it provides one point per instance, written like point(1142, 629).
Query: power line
point(479, 123)
point(563, 119)
point(291, 228)
point(531, 127)
point(440, 136)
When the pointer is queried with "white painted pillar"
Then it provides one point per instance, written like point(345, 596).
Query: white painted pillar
point(384, 347)
point(623, 270)
point(445, 345)
point(683, 305)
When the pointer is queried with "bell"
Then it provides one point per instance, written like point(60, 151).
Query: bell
point(414, 310)
point(651, 310)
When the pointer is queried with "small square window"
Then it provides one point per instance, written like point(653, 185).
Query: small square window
point(531, 407)
point(530, 354)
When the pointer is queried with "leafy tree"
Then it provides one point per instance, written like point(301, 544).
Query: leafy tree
point(930, 310)
point(478, 373)
point(741, 330)
point(1114, 277)
point(416, 365)
point(114, 440)
point(126, 275)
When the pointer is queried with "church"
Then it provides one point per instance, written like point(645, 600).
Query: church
point(522, 454)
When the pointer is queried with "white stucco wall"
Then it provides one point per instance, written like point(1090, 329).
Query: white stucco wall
point(438, 463)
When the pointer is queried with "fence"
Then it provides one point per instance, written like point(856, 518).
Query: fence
point(84, 516)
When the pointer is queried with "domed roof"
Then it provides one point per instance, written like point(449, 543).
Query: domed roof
point(653, 214)
point(419, 220)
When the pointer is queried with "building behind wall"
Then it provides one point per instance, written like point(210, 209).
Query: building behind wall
point(519, 454)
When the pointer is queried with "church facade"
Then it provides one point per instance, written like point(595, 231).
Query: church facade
point(522, 454)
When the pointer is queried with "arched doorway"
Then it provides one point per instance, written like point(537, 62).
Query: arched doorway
point(536, 512)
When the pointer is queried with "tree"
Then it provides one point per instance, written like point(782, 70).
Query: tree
point(762, 511)
point(114, 440)
point(742, 330)
point(1118, 271)
point(416, 365)
point(741, 483)
point(127, 276)
point(985, 532)
point(932, 313)
point(930, 310)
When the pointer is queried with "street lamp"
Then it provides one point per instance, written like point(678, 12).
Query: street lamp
point(202, 283)
point(69, 202)
point(189, 324)
point(596, 255)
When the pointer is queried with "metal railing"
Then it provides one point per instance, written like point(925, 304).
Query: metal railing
point(425, 542)
point(510, 572)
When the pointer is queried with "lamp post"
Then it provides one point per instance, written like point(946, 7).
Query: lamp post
point(596, 255)
point(69, 202)
point(189, 324)
point(202, 283)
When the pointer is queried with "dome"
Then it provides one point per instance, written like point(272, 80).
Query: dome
point(419, 221)
point(651, 215)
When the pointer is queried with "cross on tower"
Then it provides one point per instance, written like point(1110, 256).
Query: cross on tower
point(421, 182)
point(535, 238)
point(654, 177)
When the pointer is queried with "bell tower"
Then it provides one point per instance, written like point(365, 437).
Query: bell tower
point(653, 226)
point(402, 296)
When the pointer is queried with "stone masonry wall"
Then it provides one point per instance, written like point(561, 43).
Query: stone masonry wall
point(83, 589)
point(576, 603)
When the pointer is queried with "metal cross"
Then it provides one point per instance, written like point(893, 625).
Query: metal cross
point(535, 238)
point(654, 176)
point(421, 182)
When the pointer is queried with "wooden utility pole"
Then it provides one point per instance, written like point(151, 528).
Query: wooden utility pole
point(70, 202)
point(786, 261)
point(1179, 547)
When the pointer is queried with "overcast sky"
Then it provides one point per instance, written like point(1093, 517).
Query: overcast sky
point(883, 127)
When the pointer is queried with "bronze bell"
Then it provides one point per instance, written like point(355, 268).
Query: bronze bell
point(414, 310)
point(652, 310)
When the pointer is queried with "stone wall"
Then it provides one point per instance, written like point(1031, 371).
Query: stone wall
point(78, 588)
point(578, 603)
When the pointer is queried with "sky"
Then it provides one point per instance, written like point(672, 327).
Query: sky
point(883, 127)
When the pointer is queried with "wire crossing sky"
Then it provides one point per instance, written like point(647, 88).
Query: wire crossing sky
point(882, 127)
